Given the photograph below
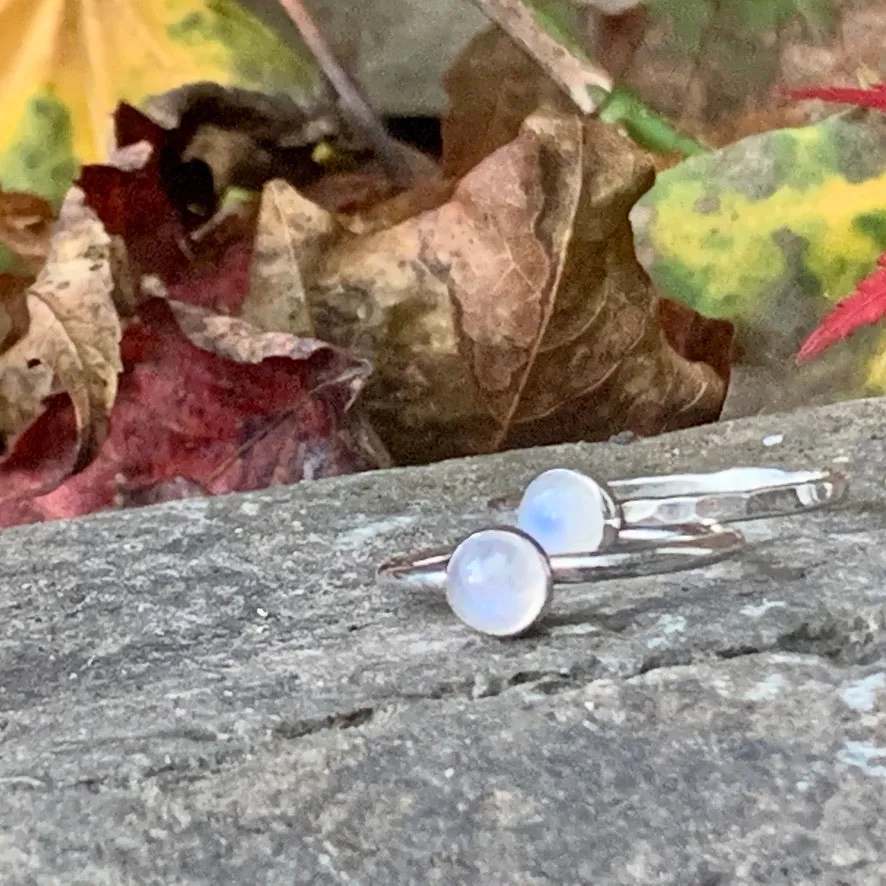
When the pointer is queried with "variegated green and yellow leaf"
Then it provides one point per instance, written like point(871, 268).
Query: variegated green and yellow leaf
point(772, 231)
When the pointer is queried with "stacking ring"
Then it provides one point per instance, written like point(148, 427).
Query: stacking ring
point(500, 580)
point(568, 512)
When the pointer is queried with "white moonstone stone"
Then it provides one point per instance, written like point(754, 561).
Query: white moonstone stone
point(565, 512)
point(498, 581)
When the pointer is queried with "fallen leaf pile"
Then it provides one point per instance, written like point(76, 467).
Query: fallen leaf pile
point(174, 337)
point(284, 340)
point(175, 400)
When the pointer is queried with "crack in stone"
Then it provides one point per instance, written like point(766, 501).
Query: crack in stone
point(313, 725)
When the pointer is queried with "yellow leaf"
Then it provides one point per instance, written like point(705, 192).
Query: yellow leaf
point(65, 64)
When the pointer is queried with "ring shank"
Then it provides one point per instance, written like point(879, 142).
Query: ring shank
point(725, 496)
point(643, 551)
point(741, 493)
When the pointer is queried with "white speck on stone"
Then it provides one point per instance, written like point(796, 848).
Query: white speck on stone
point(762, 608)
point(723, 686)
point(861, 695)
point(359, 535)
point(483, 687)
point(767, 689)
point(449, 772)
point(862, 755)
point(666, 625)
point(672, 624)
point(773, 439)
point(577, 630)
point(840, 459)
point(250, 508)
point(261, 613)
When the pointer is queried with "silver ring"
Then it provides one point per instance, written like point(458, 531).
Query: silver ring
point(568, 511)
point(499, 580)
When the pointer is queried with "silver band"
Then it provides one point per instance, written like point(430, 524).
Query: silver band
point(640, 552)
point(593, 515)
point(742, 493)
point(499, 580)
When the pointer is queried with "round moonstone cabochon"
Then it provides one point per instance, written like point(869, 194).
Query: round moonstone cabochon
point(498, 581)
point(566, 512)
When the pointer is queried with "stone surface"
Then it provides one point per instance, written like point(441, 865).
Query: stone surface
point(218, 691)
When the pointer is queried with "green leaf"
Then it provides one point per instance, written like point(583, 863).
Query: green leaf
point(772, 231)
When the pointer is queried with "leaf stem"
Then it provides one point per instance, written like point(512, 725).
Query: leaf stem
point(353, 103)
point(583, 81)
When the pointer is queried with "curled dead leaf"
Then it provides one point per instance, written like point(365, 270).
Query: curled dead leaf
point(72, 341)
point(14, 317)
point(220, 136)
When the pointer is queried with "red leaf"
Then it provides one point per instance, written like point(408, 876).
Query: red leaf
point(44, 454)
point(132, 126)
point(218, 278)
point(875, 97)
point(132, 203)
point(865, 306)
point(188, 421)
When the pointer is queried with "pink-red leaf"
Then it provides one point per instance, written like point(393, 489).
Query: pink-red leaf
point(875, 97)
point(865, 306)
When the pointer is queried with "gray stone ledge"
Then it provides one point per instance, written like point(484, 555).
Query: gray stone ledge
point(218, 691)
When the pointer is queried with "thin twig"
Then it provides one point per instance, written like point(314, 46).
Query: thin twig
point(574, 73)
point(353, 102)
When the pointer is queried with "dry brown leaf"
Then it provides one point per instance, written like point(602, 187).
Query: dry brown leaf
point(492, 87)
point(25, 225)
point(375, 295)
point(582, 354)
point(72, 342)
point(502, 241)
point(291, 235)
point(516, 313)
